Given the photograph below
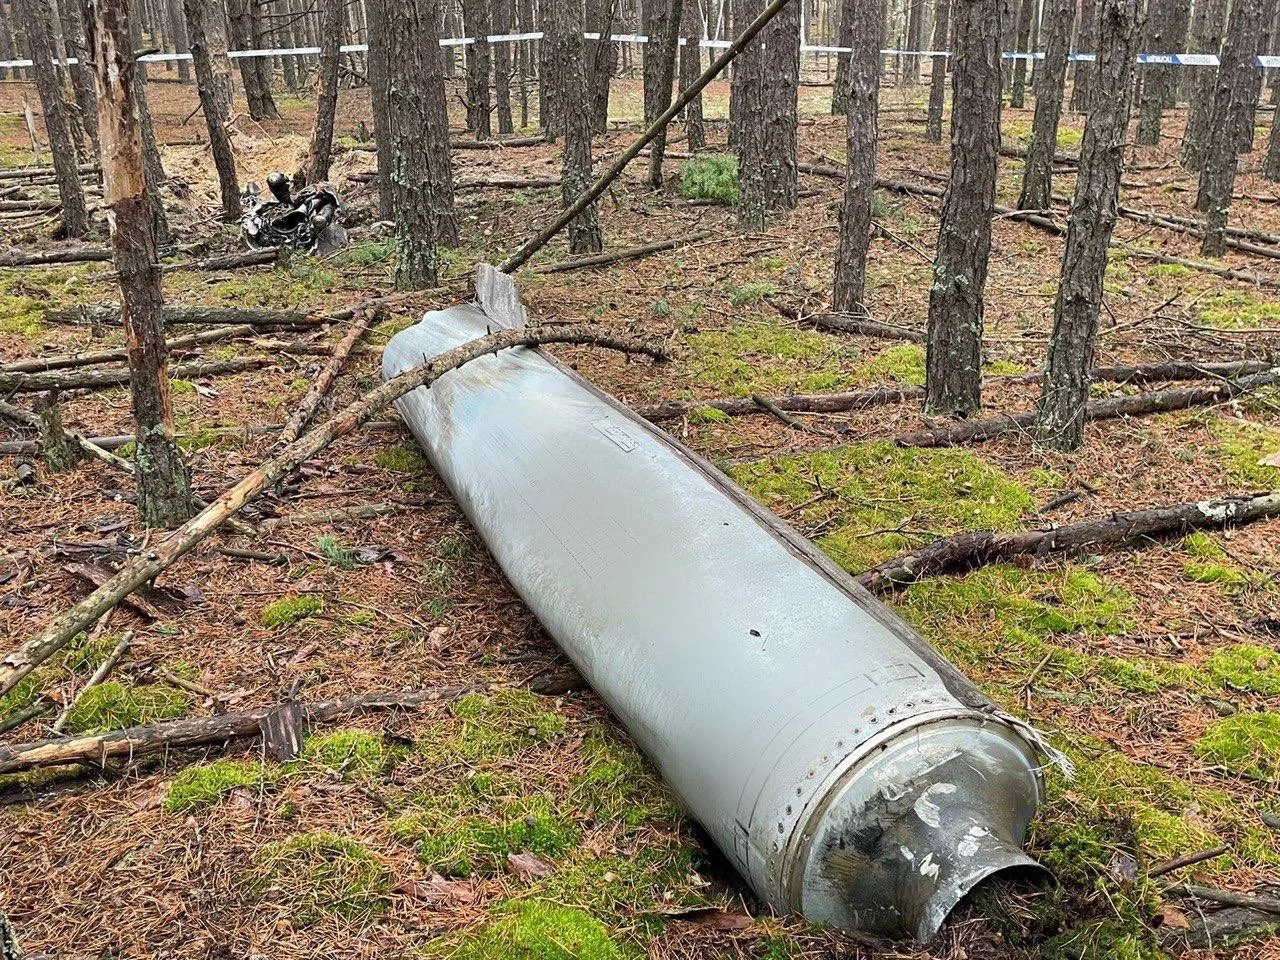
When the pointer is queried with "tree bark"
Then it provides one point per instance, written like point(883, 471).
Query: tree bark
point(504, 18)
point(849, 293)
point(602, 60)
point(690, 69)
point(421, 175)
point(938, 71)
point(380, 94)
point(567, 54)
point(1154, 76)
point(844, 38)
point(954, 353)
point(1060, 423)
point(779, 99)
point(35, 17)
point(1037, 180)
point(968, 551)
point(163, 484)
point(151, 165)
point(224, 159)
point(1084, 71)
point(476, 24)
point(1021, 44)
point(1233, 107)
point(915, 33)
point(253, 76)
point(181, 38)
point(662, 26)
point(331, 37)
point(1207, 33)
point(747, 93)
point(81, 81)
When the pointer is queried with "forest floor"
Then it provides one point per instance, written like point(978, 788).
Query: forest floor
point(1156, 669)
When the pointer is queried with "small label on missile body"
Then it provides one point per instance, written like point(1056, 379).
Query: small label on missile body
point(616, 434)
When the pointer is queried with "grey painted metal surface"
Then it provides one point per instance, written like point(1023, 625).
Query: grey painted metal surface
point(849, 772)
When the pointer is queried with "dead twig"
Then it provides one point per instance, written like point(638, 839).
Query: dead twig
point(99, 675)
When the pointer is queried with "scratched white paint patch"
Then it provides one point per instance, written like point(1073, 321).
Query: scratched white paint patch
point(971, 841)
point(906, 852)
point(928, 868)
point(926, 809)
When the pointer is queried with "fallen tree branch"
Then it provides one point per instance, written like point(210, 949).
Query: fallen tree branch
point(363, 511)
point(1138, 404)
point(327, 377)
point(109, 315)
point(630, 253)
point(25, 173)
point(771, 408)
point(816, 403)
point(968, 551)
point(47, 257)
point(148, 565)
point(118, 376)
point(91, 358)
point(1226, 897)
point(227, 261)
point(847, 323)
point(155, 738)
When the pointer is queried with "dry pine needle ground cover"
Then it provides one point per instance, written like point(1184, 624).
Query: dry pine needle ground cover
point(512, 824)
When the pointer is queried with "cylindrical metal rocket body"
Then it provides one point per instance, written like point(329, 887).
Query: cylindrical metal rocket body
point(822, 744)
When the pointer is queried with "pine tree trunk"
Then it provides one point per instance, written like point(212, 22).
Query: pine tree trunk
point(181, 38)
point(81, 80)
point(35, 16)
point(690, 68)
point(779, 98)
point(528, 54)
point(1233, 106)
point(8, 45)
point(504, 19)
point(1176, 38)
point(154, 169)
point(844, 38)
point(567, 54)
point(953, 367)
point(1021, 44)
point(662, 27)
point(254, 75)
point(746, 93)
point(224, 159)
point(216, 32)
point(379, 95)
point(476, 25)
point(849, 293)
point(1061, 415)
point(1207, 38)
point(1083, 72)
point(915, 31)
point(1154, 76)
point(938, 72)
point(331, 37)
point(602, 60)
point(421, 175)
point(163, 484)
point(1263, 46)
point(1038, 176)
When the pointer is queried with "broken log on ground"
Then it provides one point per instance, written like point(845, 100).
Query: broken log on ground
point(847, 323)
point(51, 257)
point(968, 551)
point(119, 376)
point(143, 741)
point(630, 253)
point(816, 403)
point(1135, 405)
point(163, 554)
point(328, 376)
point(91, 358)
point(108, 315)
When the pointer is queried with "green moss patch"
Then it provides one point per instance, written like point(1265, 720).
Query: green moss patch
point(707, 415)
point(206, 784)
point(323, 874)
point(113, 706)
point(879, 488)
point(355, 754)
point(536, 931)
point(462, 844)
point(1239, 448)
point(402, 458)
point(618, 784)
point(502, 724)
point(710, 177)
point(747, 358)
point(1248, 668)
point(289, 610)
point(900, 364)
point(1235, 309)
point(1248, 743)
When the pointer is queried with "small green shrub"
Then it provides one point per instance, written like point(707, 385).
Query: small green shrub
point(711, 177)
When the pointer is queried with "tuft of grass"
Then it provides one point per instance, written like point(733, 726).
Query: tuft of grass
point(289, 610)
point(1248, 668)
point(113, 706)
point(750, 294)
point(403, 458)
point(886, 487)
point(356, 754)
point(336, 552)
point(710, 177)
point(535, 931)
point(206, 784)
point(1248, 743)
point(324, 874)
